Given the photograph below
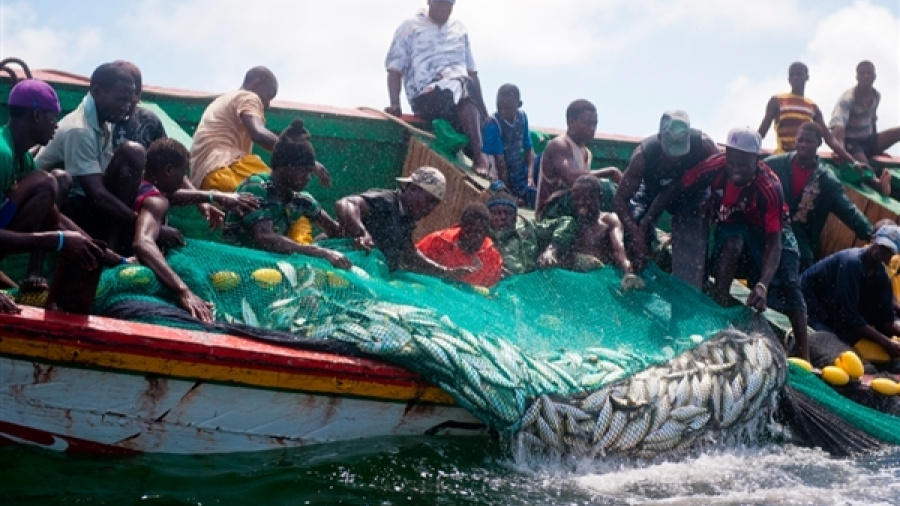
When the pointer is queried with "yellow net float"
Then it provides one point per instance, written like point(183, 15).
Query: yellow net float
point(851, 363)
point(267, 278)
point(835, 376)
point(136, 275)
point(225, 280)
point(884, 386)
point(803, 364)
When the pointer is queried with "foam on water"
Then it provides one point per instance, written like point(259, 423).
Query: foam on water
point(764, 476)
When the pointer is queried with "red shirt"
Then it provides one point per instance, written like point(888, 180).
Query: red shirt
point(800, 176)
point(442, 247)
point(760, 203)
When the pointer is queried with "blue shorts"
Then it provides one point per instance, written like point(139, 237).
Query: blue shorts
point(784, 293)
point(8, 211)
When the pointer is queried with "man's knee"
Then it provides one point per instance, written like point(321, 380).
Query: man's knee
point(37, 185)
point(63, 183)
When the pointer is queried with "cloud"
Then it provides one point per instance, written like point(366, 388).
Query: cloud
point(22, 35)
point(838, 42)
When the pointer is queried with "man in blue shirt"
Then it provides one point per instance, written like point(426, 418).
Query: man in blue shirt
point(507, 139)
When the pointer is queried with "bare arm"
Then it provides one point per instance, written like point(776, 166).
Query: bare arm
point(236, 202)
point(414, 260)
point(260, 135)
point(266, 238)
point(529, 162)
point(631, 181)
point(394, 83)
point(149, 221)
point(772, 110)
point(350, 212)
point(770, 260)
point(617, 242)
point(829, 138)
point(609, 173)
point(111, 206)
point(328, 224)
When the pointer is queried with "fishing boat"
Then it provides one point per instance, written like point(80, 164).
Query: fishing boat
point(95, 384)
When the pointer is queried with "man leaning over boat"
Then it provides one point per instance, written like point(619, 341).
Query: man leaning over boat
point(30, 220)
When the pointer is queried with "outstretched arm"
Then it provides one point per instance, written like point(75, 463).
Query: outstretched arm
point(260, 135)
point(266, 238)
point(150, 218)
point(772, 110)
point(350, 212)
point(394, 83)
point(617, 242)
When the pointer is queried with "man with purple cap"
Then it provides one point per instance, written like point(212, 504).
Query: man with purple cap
point(105, 180)
point(430, 55)
point(848, 296)
point(29, 218)
point(656, 163)
point(753, 238)
point(385, 219)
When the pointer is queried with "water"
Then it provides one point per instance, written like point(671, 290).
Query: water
point(445, 471)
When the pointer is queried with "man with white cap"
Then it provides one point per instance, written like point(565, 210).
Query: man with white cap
point(848, 296)
point(752, 238)
point(431, 57)
point(385, 219)
point(657, 162)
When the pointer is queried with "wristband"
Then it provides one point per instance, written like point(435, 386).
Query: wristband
point(124, 260)
point(760, 285)
point(211, 197)
point(59, 246)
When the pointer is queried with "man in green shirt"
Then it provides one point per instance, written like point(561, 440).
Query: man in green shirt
point(29, 218)
point(813, 193)
point(283, 203)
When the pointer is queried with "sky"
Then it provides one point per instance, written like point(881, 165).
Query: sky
point(719, 60)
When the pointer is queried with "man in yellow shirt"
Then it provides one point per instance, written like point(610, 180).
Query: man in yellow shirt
point(221, 154)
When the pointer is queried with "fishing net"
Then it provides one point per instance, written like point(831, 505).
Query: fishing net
point(570, 362)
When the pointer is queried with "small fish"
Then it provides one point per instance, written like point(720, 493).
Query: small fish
point(290, 273)
point(248, 314)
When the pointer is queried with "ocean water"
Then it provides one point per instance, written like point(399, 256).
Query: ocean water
point(446, 471)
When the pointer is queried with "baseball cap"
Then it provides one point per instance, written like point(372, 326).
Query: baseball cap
point(429, 179)
point(675, 133)
point(888, 236)
point(34, 94)
point(744, 139)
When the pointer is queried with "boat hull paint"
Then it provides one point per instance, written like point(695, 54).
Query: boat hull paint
point(110, 395)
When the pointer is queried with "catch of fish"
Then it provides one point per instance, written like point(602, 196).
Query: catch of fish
point(567, 402)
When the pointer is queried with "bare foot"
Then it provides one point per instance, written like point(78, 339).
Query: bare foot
point(481, 165)
point(884, 182)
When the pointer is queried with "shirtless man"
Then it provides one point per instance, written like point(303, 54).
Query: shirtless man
point(600, 235)
point(567, 156)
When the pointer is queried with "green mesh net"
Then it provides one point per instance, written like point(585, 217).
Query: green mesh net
point(547, 332)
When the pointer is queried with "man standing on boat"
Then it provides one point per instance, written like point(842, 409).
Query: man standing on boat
point(567, 158)
point(431, 57)
point(753, 238)
point(853, 121)
point(659, 161)
point(29, 217)
point(385, 219)
point(105, 180)
point(813, 193)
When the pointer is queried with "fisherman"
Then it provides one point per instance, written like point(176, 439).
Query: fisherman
point(522, 242)
point(167, 164)
point(221, 154)
point(507, 139)
point(283, 221)
point(140, 124)
point(656, 163)
point(431, 57)
point(790, 110)
point(467, 244)
point(853, 122)
point(599, 239)
point(753, 237)
point(567, 157)
point(813, 193)
point(29, 218)
point(848, 296)
point(385, 219)
point(105, 181)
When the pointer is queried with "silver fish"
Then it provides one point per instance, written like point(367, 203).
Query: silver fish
point(248, 314)
point(290, 273)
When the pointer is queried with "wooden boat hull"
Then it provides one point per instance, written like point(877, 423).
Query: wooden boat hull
point(98, 385)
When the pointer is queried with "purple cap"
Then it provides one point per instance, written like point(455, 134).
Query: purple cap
point(34, 94)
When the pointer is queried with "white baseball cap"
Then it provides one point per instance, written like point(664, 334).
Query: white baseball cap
point(744, 139)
